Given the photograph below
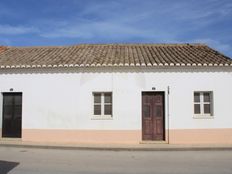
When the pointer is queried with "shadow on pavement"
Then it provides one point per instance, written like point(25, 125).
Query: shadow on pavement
point(7, 166)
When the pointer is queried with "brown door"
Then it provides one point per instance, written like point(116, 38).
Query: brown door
point(12, 115)
point(153, 116)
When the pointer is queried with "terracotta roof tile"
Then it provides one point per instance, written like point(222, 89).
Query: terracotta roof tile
point(113, 55)
point(2, 48)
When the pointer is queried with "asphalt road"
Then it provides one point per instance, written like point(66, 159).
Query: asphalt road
point(49, 161)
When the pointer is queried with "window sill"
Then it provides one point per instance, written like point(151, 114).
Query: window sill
point(103, 117)
point(203, 117)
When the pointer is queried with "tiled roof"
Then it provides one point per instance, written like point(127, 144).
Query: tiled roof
point(112, 55)
point(2, 48)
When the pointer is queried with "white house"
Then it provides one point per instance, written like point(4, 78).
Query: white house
point(116, 93)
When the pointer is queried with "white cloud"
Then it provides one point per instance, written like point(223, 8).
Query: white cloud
point(15, 30)
point(198, 13)
point(223, 47)
point(5, 42)
point(108, 30)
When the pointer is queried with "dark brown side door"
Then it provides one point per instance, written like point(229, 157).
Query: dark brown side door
point(153, 116)
point(12, 115)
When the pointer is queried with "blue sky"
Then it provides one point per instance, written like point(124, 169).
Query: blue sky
point(69, 22)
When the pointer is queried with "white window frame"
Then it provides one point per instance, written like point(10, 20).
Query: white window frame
point(202, 114)
point(102, 116)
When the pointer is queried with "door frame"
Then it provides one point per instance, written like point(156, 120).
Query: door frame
point(164, 115)
point(2, 112)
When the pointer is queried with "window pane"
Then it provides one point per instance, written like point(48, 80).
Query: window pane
point(207, 108)
point(97, 98)
point(206, 97)
point(197, 109)
point(108, 110)
point(196, 97)
point(97, 109)
point(108, 97)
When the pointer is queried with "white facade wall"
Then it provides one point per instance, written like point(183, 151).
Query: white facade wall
point(62, 99)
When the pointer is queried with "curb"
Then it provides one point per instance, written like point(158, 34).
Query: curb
point(118, 148)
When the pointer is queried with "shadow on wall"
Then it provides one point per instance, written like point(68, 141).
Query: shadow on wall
point(7, 166)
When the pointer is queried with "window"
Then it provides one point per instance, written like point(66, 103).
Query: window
point(102, 104)
point(203, 103)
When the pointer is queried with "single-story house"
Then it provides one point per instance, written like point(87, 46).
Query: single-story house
point(116, 93)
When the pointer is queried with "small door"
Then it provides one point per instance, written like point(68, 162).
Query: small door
point(153, 116)
point(12, 115)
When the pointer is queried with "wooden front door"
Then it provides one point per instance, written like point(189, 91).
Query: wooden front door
point(153, 116)
point(12, 115)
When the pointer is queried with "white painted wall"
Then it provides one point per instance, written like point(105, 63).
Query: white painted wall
point(62, 99)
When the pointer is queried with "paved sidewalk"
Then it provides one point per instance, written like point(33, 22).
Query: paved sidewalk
point(115, 147)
